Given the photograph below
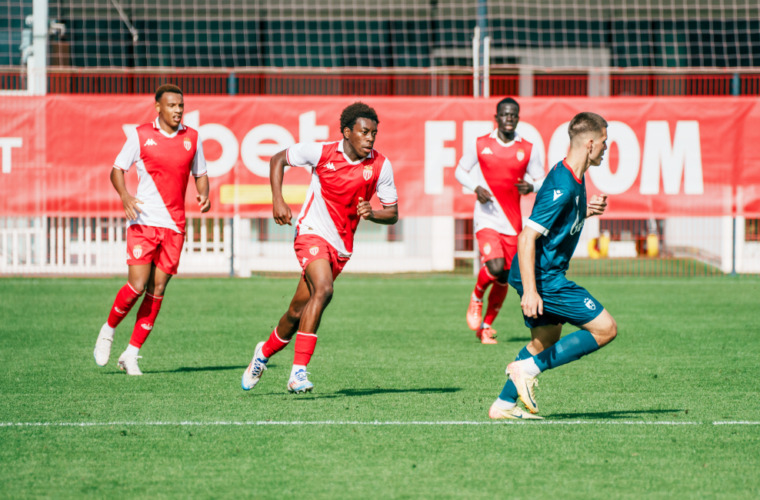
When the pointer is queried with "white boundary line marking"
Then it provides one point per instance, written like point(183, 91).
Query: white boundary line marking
point(258, 423)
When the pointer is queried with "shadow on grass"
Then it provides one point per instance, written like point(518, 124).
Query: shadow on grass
point(187, 369)
point(518, 339)
point(611, 415)
point(381, 390)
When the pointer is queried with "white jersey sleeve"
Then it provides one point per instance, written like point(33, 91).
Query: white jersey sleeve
point(386, 188)
point(464, 167)
point(198, 168)
point(130, 152)
point(304, 154)
point(535, 170)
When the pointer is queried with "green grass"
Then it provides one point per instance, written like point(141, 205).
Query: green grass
point(391, 349)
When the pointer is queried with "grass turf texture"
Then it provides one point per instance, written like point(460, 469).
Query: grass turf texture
point(391, 349)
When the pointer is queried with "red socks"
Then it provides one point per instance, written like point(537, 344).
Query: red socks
point(125, 299)
point(146, 317)
point(484, 279)
point(273, 345)
point(495, 300)
point(304, 348)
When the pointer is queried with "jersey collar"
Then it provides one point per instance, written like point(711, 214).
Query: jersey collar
point(158, 127)
point(495, 135)
point(564, 163)
point(340, 148)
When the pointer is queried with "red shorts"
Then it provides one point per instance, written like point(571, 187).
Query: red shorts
point(158, 245)
point(310, 247)
point(494, 245)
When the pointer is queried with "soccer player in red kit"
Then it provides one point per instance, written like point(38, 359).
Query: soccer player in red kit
point(165, 153)
point(344, 176)
point(504, 158)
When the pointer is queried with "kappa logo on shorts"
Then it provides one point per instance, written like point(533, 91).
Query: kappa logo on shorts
point(367, 174)
point(303, 261)
point(187, 144)
point(314, 250)
point(137, 251)
point(520, 155)
point(487, 248)
point(589, 303)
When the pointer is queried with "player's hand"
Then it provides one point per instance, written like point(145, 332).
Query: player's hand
point(204, 203)
point(364, 209)
point(281, 212)
point(596, 205)
point(523, 187)
point(131, 210)
point(532, 304)
point(484, 195)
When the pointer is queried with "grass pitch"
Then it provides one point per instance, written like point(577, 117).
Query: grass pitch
point(668, 410)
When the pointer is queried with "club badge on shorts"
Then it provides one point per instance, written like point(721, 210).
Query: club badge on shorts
point(367, 172)
point(520, 155)
point(314, 250)
point(187, 144)
point(487, 248)
point(137, 251)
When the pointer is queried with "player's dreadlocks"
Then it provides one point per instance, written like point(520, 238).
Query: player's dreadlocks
point(355, 111)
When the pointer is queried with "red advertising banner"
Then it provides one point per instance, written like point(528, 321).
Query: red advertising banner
point(667, 157)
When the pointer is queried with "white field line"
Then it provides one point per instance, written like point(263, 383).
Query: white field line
point(259, 423)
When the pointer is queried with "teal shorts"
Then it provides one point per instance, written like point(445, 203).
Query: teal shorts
point(564, 302)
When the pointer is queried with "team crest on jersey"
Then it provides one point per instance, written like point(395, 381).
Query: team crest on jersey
point(187, 144)
point(314, 250)
point(367, 174)
point(487, 248)
point(137, 251)
point(520, 155)
point(589, 303)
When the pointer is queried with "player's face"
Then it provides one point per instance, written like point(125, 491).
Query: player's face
point(361, 138)
point(507, 117)
point(598, 148)
point(170, 109)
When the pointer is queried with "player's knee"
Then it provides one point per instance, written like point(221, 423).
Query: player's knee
point(495, 267)
point(323, 293)
point(609, 331)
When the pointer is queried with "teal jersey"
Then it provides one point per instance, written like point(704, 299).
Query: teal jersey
point(558, 214)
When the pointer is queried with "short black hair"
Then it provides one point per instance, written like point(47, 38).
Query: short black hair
point(507, 100)
point(584, 122)
point(168, 87)
point(355, 111)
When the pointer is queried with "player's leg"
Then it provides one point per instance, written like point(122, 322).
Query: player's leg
point(278, 339)
point(578, 307)
point(487, 244)
point(496, 298)
point(319, 277)
point(126, 298)
point(505, 405)
point(145, 320)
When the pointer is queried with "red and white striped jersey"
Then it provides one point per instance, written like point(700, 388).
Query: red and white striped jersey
point(501, 164)
point(164, 163)
point(337, 183)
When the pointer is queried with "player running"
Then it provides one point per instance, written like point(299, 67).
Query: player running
point(345, 175)
point(166, 153)
point(504, 158)
point(544, 249)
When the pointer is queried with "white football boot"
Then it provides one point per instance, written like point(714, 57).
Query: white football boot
point(128, 363)
point(102, 351)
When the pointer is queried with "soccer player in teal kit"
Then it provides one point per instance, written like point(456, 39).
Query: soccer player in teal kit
point(544, 249)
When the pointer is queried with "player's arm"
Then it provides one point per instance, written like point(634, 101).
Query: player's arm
point(280, 210)
point(462, 173)
point(387, 215)
point(531, 303)
point(130, 203)
point(596, 205)
point(202, 186)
